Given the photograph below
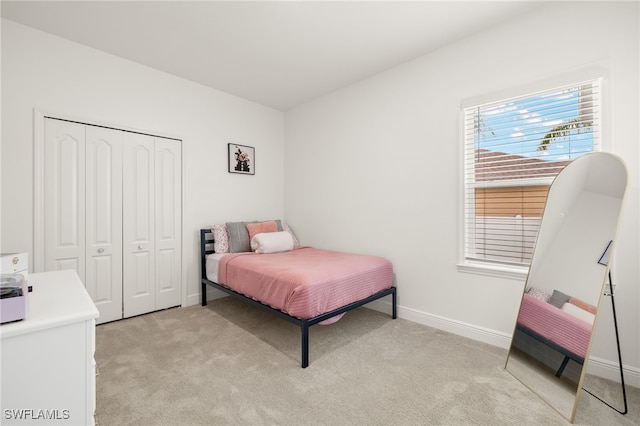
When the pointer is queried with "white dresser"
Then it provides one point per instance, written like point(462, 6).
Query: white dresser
point(47, 368)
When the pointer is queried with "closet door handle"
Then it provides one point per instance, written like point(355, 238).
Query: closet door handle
point(100, 250)
point(140, 247)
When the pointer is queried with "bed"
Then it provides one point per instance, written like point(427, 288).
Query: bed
point(305, 289)
point(556, 328)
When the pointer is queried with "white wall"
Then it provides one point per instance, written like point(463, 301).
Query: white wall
point(374, 167)
point(45, 72)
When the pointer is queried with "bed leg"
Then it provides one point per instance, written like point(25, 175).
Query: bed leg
point(204, 294)
point(565, 361)
point(394, 305)
point(304, 328)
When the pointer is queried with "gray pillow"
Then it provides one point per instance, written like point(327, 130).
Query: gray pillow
point(239, 235)
point(558, 298)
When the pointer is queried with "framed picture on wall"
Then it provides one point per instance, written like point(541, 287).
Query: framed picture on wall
point(242, 159)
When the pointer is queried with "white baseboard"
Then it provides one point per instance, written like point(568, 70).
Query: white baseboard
point(596, 366)
point(611, 370)
point(192, 299)
point(460, 328)
point(212, 294)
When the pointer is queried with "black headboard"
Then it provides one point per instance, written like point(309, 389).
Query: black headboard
point(206, 247)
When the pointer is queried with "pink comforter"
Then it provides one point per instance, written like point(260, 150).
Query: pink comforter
point(305, 282)
point(550, 322)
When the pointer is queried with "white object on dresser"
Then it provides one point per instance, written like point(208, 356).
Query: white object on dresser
point(48, 367)
point(15, 263)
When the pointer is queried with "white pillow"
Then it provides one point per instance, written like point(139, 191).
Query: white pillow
point(578, 313)
point(272, 242)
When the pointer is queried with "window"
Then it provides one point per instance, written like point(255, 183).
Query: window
point(513, 149)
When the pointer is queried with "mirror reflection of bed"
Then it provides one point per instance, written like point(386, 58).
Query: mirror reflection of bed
point(565, 284)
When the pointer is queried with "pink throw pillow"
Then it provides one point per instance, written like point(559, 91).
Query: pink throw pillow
point(261, 227)
point(583, 305)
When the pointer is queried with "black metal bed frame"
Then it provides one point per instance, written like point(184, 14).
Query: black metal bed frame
point(568, 355)
point(304, 324)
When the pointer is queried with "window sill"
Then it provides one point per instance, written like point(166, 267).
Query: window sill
point(500, 271)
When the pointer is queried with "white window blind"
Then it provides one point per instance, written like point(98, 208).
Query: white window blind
point(513, 149)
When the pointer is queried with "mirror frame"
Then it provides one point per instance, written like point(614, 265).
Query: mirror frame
point(589, 233)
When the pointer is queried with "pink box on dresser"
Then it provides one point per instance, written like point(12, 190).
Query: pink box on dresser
point(13, 298)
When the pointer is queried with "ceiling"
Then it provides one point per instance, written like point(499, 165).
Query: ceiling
point(276, 53)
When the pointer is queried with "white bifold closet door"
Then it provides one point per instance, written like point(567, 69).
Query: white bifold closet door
point(139, 235)
point(112, 202)
point(64, 196)
point(152, 254)
point(168, 222)
point(103, 215)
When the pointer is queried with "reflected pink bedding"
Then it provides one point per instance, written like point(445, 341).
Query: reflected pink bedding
point(305, 282)
point(550, 322)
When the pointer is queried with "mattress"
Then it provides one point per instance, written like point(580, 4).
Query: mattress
point(211, 266)
point(304, 282)
point(565, 330)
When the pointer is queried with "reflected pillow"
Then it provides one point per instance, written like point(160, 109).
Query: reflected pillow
point(539, 294)
point(583, 305)
point(558, 299)
point(578, 313)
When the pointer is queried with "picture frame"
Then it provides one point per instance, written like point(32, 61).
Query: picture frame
point(604, 259)
point(242, 159)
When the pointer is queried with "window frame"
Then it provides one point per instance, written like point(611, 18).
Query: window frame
point(488, 267)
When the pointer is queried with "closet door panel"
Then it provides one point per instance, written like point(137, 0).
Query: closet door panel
point(64, 196)
point(139, 224)
point(112, 203)
point(104, 220)
point(168, 228)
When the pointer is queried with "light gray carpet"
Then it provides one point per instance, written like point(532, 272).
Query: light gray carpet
point(233, 364)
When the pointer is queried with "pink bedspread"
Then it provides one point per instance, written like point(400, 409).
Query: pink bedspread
point(305, 282)
point(550, 322)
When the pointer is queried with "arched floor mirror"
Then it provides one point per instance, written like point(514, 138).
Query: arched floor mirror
point(565, 284)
